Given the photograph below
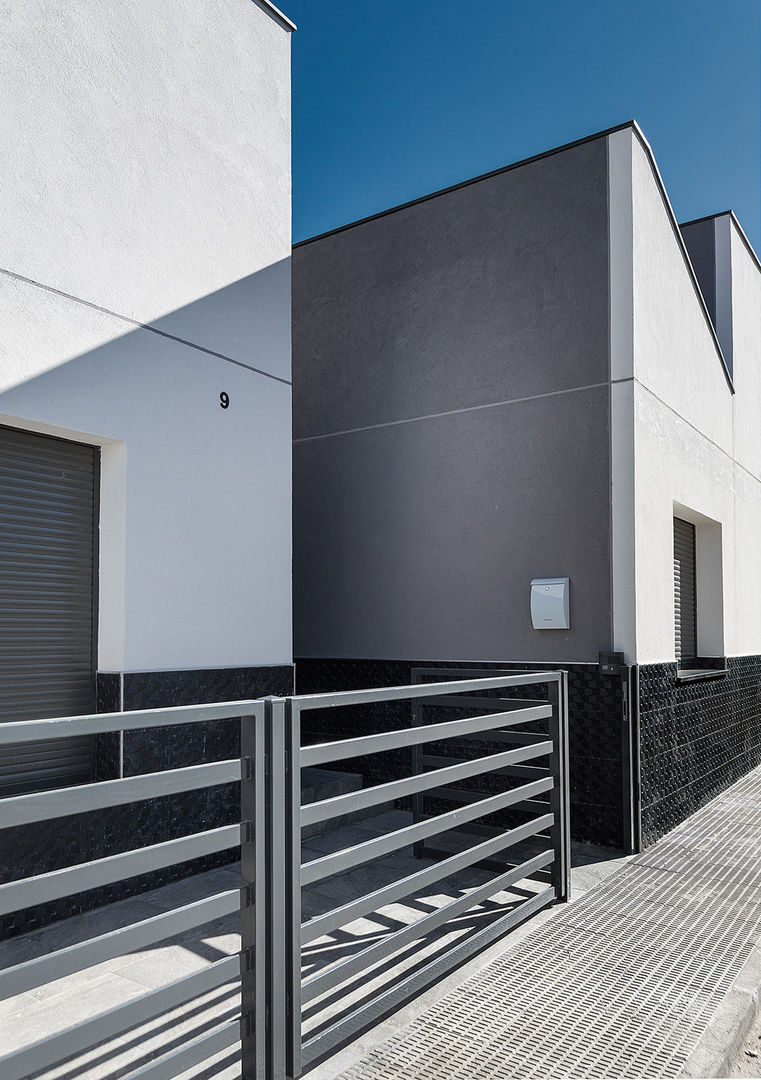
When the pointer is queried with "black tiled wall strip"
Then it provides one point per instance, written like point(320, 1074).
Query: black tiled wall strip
point(595, 718)
point(36, 849)
point(696, 738)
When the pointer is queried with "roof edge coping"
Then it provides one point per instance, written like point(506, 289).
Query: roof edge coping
point(466, 183)
point(276, 14)
point(683, 247)
point(628, 124)
point(735, 221)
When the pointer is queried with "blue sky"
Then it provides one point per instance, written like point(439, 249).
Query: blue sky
point(395, 99)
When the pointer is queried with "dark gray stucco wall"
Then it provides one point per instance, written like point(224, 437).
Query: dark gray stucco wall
point(700, 241)
point(473, 328)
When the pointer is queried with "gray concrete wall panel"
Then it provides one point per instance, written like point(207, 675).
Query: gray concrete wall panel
point(699, 239)
point(421, 539)
point(482, 310)
point(490, 292)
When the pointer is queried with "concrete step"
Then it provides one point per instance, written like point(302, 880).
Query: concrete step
point(318, 784)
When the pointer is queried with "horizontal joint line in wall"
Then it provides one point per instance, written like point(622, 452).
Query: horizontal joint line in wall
point(143, 326)
point(453, 412)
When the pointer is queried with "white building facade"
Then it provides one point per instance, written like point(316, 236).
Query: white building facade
point(145, 397)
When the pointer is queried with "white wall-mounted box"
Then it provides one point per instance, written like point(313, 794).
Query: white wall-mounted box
point(550, 606)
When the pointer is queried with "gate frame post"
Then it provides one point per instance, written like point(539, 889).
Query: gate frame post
point(271, 892)
point(291, 854)
point(560, 832)
point(276, 870)
point(253, 957)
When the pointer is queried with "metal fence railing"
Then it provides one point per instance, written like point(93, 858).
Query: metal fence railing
point(536, 758)
point(508, 757)
point(248, 898)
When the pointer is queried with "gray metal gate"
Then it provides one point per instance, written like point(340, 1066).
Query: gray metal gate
point(250, 898)
point(536, 732)
point(520, 743)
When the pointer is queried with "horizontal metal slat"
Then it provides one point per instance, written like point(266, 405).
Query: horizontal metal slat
point(404, 989)
point(483, 704)
point(49, 1052)
point(364, 905)
point(44, 969)
point(193, 1053)
point(419, 690)
point(339, 861)
point(334, 976)
point(97, 723)
point(413, 736)
point(16, 895)
point(23, 809)
point(533, 806)
point(531, 772)
point(504, 736)
point(396, 789)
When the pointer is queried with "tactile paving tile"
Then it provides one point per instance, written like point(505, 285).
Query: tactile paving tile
point(621, 983)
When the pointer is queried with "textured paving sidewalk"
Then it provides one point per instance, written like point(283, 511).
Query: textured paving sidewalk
point(624, 983)
point(51, 1008)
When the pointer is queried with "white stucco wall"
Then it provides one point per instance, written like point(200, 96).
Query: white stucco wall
point(146, 162)
point(746, 345)
point(694, 447)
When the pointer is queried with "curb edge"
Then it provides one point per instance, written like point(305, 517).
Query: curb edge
point(727, 1028)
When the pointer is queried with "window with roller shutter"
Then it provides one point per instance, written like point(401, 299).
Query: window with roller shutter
point(48, 560)
point(685, 591)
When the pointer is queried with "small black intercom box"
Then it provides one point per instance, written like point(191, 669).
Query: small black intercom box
point(611, 663)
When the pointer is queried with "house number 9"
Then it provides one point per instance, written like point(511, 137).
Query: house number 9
point(224, 400)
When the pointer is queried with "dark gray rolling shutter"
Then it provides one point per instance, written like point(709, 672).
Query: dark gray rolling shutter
point(685, 608)
point(48, 553)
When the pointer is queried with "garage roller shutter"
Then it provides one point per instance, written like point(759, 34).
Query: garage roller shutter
point(48, 554)
point(685, 610)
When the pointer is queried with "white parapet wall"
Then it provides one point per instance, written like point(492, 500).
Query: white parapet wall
point(144, 272)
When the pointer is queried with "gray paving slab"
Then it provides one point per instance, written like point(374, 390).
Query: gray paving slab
point(653, 972)
point(51, 1008)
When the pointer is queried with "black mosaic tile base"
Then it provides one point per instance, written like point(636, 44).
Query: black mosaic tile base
point(28, 850)
point(108, 691)
point(696, 738)
point(595, 714)
point(108, 696)
point(160, 689)
point(173, 747)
